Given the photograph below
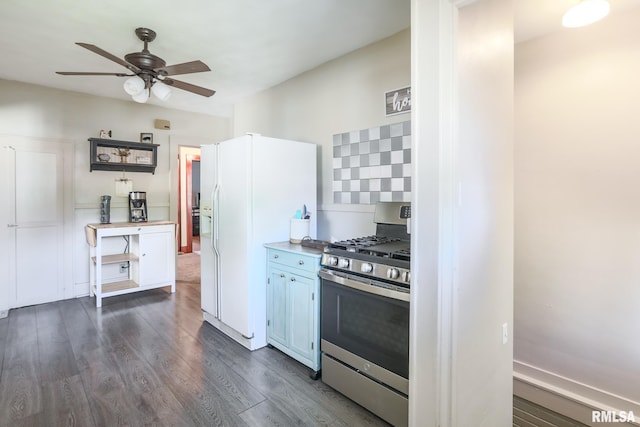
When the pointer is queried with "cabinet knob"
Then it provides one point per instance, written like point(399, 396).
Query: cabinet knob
point(293, 279)
point(276, 256)
point(281, 275)
point(300, 262)
point(139, 229)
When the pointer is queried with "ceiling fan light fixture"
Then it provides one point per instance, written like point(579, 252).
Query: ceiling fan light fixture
point(585, 13)
point(161, 90)
point(134, 85)
point(141, 97)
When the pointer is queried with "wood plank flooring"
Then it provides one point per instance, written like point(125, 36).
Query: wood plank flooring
point(148, 359)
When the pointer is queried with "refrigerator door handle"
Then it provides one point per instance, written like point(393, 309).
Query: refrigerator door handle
point(214, 239)
point(211, 222)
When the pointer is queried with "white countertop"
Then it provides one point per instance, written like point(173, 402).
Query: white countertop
point(128, 224)
point(295, 248)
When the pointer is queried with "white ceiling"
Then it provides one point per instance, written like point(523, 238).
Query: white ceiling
point(250, 45)
point(535, 18)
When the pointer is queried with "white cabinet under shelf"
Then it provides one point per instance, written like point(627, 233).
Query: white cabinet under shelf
point(149, 257)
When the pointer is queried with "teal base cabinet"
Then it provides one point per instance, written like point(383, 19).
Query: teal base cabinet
point(293, 302)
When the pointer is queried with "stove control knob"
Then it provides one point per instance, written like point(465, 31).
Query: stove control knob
point(406, 276)
point(366, 267)
point(393, 273)
point(343, 263)
point(332, 260)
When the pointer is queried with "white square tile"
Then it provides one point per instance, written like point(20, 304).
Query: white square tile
point(337, 186)
point(385, 196)
point(337, 162)
point(365, 172)
point(354, 161)
point(374, 159)
point(365, 197)
point(406, 170)
point(374, 184)
point(355, 185)
point(345, 150)
point(385, 171)
point(406, 141)
point(397, 157)
point(374, 133)
point(345, 174)
point(345, 197)
point(374, 171)
point(397, 184)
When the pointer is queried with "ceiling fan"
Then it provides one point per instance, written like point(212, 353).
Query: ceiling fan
point(149, 71)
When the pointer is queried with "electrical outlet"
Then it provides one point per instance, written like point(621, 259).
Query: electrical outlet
point(505, 333)
point(124, 267)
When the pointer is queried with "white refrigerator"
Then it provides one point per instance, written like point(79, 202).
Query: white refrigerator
point(251, 186)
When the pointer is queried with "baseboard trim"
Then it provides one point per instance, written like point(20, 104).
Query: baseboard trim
point(250, 344)
point(566, 396)
point(4, 313)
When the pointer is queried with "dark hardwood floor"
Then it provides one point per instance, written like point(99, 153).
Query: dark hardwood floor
point(148, 359)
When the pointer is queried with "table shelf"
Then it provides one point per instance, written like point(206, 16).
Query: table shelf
point(151, 260)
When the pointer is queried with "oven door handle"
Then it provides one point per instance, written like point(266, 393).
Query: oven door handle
point(371, 289)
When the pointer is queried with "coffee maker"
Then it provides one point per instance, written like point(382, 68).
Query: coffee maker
point(138, 206)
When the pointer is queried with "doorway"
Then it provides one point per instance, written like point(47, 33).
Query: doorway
point(188, 199)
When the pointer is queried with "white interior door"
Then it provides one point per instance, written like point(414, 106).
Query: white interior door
point(35, 222)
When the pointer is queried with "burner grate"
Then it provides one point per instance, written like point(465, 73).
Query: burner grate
point(376, 246)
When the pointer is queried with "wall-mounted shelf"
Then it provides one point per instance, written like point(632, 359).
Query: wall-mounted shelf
point(104, 154)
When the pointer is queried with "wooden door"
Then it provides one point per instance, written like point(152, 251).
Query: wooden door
point(34, 194)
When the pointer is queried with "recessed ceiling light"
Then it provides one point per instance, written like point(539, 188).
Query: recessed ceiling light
point(585, 13)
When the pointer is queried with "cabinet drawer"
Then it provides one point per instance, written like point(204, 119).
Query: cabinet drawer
point(146, 229)
point(300, 261)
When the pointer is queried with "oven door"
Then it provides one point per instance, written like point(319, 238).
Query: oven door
point(366, 326)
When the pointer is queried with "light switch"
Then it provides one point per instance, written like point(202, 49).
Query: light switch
point(505, 333)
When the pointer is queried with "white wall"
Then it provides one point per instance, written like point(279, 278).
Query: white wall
point(483, 300)
point(345, 94)
point(577, 212)
point(39, 112)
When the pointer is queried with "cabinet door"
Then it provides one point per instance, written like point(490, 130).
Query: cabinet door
point(277, 307)
point(157, 263)
point(301, 315)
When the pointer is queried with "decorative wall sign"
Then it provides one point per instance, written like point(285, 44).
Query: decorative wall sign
point(398, 101)
point(146, 137)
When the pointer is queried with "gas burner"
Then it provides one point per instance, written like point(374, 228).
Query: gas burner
point(403, 254)
point(360, 244)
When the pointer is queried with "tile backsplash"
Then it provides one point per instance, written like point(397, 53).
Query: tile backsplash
point(373, 165)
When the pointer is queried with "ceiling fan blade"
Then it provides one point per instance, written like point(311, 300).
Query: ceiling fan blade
point(184, 68)
point(188, 87)
point(96, 49)
point(80, 73)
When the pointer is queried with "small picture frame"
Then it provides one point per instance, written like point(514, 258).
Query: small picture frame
point(147, 138)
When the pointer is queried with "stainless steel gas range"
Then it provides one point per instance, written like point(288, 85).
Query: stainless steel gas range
point(365, 315)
